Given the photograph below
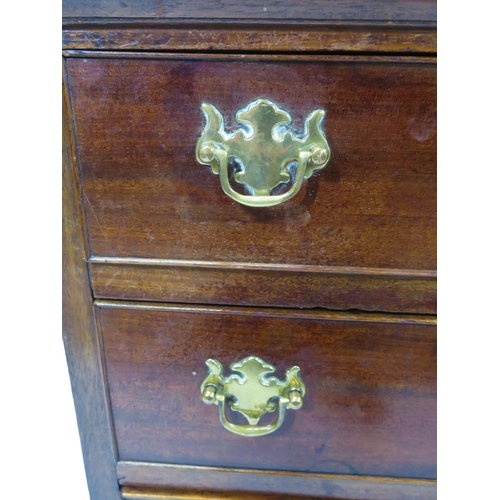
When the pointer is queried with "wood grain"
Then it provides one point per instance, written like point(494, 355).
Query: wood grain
point(267, 288)
point(273, 38)
point(153, 225)
point(217, 10)
point(286, 484)
point(369, 410)
point(80, 336)
point(146, 196)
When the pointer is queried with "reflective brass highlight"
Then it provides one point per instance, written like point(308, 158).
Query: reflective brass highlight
point(267, 152)
point(252, 393)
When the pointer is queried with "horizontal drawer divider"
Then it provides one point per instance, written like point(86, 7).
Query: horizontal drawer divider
point(145, 493)
point(264, 285)
point(137, 474)
point(317, 314)
point(133, 261)
point(107, 54)
point(243, 37)
point(76, 22)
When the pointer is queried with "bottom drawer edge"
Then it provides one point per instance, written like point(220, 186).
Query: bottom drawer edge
point(142, 493)
point(147, 481)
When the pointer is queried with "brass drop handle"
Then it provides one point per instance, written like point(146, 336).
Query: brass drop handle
point(265, 150)
point(252, 393)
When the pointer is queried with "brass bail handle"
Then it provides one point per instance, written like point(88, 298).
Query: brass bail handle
point(265, 149)
point(252, 393)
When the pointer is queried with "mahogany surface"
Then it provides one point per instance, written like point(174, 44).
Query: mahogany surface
point(182, 494)
point(137, 121)
point(340, 289)
point(370, 406)
point(389, 37)
point(251, 10)
point(208, 484)
point(143, 221)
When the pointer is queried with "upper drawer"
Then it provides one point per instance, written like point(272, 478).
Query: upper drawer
point(138, 119)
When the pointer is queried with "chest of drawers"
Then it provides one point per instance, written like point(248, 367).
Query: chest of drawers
point(170, 270)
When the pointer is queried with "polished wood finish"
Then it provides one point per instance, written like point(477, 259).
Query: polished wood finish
point(292, 286)
point(384, 38)
point(314, 314)
point(369, 409)
point(263, 483)
point(374, 205)
point(295, 11)
point(79, 334)
point(259, 266)
point(144, 223)
point(261, 57)
point(139, 493)
point(182, 494)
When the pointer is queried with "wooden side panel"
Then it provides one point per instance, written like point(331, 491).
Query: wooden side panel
point(266, 288)
point(374, 205)
point(370, 408)
point(80, 337)
point(272, 10)
point(266, 485)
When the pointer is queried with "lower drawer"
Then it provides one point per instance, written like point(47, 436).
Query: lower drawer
point(369, 409)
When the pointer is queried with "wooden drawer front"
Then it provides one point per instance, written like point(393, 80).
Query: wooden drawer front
point(137, 122)
point(370, 407)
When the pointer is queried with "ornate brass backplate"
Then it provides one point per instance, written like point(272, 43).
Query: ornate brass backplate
point(252, 393)
point(267, 152)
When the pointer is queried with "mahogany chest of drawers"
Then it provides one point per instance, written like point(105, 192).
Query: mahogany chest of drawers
point(250, 222)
